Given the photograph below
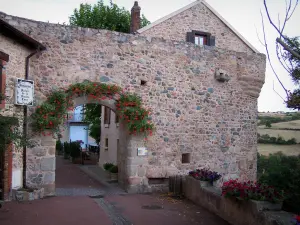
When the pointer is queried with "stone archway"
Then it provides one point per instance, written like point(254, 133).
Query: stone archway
point(132, 168)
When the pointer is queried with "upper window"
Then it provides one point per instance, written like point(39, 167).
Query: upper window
point(200, 38)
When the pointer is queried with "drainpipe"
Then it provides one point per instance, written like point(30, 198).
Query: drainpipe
point(25, 125)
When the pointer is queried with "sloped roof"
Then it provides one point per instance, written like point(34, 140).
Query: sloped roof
point(211, 9)
point(8, 30)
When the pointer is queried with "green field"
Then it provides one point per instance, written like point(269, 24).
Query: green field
point(276, 131)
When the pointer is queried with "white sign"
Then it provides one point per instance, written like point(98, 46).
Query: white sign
point(24, 92)
point(142, 151)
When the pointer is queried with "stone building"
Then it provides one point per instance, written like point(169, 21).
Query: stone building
point(199, 76)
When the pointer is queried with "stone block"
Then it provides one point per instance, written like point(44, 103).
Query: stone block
point(141, 171)
point(48, 164)
point(134, 180)
point(48, 141)
point(131, 170)
point(49, 178)
point(38, 151)
point(51, 151)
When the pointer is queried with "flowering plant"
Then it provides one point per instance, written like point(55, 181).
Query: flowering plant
point(296, 220)
point(251, 190)
point(205, 175)
point(52, 113)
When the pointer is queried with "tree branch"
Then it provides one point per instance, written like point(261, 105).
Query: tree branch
point(287, 48)
point(268, 54)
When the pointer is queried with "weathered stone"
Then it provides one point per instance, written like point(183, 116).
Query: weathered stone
point(39, 151)
point(48, 164)
point(49, 178)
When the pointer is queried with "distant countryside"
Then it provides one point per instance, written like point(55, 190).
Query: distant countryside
point(279, 132)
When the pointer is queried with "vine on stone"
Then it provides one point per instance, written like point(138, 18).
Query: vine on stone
point(53, 112)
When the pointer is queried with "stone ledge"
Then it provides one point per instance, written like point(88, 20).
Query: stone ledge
point(21, 195)
point(234, 211)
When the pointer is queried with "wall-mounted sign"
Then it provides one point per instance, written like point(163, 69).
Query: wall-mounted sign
point(24, 92)
point(142, 151)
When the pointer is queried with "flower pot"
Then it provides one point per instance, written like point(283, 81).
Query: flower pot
point(113, 176)
point(205, 183)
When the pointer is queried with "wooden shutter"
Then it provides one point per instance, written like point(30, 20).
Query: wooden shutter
point(190, 37)
point(212, 41)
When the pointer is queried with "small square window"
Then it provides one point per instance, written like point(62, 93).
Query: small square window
point(186, 158)
point(143, 83)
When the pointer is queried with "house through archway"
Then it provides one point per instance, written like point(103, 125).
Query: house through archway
point(117, 145)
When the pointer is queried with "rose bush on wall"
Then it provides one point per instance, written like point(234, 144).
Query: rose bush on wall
point(52, 113)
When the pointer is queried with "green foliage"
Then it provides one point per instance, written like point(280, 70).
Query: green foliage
point(101, 16)
point(59, 147)
point(10, 132)
point(92, 115)
point(50, 115)
point(272, 119)
point(268, 124)
point(75, 149)
point(266, 139)
point(283, 173)
point(107, 166)
point(67, 150)
point(293, 64)
point(113, 169)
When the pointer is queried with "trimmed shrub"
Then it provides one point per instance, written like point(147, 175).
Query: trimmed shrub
point(113, 169)
point(75, 149)
point(107, 166)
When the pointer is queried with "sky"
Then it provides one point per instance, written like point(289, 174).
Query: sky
point(243, 15)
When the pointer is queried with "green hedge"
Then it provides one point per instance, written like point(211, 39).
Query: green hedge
point(283, 173)
point(266, 139)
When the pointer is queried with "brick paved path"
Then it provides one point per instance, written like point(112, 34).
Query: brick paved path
point(74, 207)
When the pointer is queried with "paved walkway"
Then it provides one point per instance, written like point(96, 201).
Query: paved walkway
point(104, 207)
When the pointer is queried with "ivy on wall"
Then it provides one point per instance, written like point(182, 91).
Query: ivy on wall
point(50, 115)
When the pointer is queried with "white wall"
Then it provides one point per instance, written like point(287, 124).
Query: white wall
point(110, 131)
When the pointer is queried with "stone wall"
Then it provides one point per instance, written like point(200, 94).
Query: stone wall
point(214, 122)
point(14, 69)
point(199, 18)
point(236, 212)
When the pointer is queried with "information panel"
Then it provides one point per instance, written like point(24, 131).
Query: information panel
point(24, 92)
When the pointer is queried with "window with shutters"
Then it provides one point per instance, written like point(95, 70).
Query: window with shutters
point(106, 115)
point(200, 38)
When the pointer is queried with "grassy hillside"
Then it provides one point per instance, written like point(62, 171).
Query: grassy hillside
point(281, 129)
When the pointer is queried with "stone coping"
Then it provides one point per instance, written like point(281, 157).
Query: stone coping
point(235, 211)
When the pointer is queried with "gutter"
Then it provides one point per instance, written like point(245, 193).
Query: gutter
point(25, 121)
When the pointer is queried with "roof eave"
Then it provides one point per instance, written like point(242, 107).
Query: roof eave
point(19, 36)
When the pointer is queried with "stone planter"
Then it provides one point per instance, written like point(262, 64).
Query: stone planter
point(205, 183)
point(263, 205)
point(217, 184)
point(27, 194)
point(113, 176)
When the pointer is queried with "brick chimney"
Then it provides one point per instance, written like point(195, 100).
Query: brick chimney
point(135, 18)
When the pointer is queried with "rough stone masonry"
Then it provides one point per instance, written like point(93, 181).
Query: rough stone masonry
point(213, 122)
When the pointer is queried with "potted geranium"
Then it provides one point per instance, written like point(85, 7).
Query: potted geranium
point(205, 176)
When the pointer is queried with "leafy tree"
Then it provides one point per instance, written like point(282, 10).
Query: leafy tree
point(92, 115)
point(268, 124)
point(101, 16)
